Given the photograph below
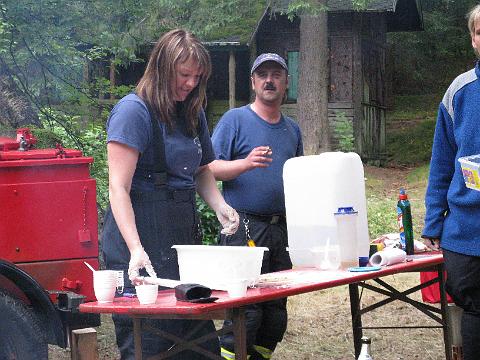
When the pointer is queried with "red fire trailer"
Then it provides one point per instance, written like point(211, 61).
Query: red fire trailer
point(48, 228)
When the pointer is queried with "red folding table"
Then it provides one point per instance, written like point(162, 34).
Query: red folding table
point(296, 281)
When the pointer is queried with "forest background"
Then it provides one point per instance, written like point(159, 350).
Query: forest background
point(44, 45)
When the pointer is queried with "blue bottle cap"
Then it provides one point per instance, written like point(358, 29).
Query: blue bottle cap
point(347, 210)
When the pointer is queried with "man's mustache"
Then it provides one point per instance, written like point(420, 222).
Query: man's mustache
point(270, 86)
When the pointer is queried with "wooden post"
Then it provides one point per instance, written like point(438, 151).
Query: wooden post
point(357, 86)
point(112, 78)
point(231, 80)
point(84, 344)
point(454, 319)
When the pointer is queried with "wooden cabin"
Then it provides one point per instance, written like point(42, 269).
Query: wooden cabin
point(358, 64)
point(357, 60)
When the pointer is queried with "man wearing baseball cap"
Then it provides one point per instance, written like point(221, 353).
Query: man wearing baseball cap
point(251, 145)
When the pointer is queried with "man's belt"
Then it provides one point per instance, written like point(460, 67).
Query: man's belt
point(271, 219)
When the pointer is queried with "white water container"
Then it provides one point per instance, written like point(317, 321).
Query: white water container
point(315, 187)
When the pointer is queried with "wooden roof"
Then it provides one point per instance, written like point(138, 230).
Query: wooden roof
point(403, 15)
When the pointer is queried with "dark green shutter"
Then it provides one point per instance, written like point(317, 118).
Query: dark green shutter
point(293, 72)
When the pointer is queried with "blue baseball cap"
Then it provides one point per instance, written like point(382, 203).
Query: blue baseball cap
point(268, 57)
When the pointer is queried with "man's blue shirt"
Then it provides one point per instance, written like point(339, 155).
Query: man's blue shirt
point(239, 131)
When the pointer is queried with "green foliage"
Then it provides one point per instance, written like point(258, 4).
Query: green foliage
point(412, 146)
point(431, 59)
point(217, 20)
point(343, 131)
point(381, 215)
point(303, 7)
point(210, 223)
point(91, 140)
point(360, 4)
point(410, 128)
point(311, 7)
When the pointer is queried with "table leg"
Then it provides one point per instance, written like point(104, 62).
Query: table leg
point(239, 333)
point(137, 337)
point(443, 305)
point(356, 318)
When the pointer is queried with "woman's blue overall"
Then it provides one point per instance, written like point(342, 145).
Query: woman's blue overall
point(163, 217)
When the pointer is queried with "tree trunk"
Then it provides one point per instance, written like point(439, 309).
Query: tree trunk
point(15, 108)
point(313, 79)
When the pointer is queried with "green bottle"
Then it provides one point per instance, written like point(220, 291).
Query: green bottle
point(404, 217)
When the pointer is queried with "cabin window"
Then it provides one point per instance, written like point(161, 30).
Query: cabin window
point(292, 58)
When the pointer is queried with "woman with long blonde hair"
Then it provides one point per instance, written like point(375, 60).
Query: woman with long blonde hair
point(158, 148)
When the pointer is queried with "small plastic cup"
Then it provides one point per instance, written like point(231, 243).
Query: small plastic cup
point(104, 285)
point(237, 288)
point(146, 293)
point(327, 258)
point(105, 293)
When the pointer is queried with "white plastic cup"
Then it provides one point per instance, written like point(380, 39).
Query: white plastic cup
point(147, 293)
point(237, 288)
point(104, 285)
point(327, 258)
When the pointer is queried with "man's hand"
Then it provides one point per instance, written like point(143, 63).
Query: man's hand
point(139, 260)
point(229, 219)
point(431, 243)
point(260, 156)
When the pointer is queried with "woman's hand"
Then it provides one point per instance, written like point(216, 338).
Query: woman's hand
point(139, 260)
point(431, 243)
point(207, 189)
point(229, 219)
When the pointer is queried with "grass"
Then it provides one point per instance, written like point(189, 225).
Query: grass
point(410, 128)
point(408, 107)
point(381, 216)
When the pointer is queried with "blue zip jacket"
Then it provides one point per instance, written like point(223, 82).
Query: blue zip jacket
point(452, 209)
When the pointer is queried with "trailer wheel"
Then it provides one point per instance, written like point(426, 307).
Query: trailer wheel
point(21, 335)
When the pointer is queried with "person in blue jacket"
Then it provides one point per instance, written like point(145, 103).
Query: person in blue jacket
point(452, 219)
point(251, 144)
point(158, 150)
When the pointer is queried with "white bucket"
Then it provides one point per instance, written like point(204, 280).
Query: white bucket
point(219, 266)
point(315, 187)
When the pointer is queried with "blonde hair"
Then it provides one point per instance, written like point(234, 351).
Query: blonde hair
point(473, 15)
point(155, 87)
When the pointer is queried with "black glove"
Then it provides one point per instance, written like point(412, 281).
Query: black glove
point(194, 293)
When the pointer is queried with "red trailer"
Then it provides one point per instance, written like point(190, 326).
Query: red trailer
point(48, 228)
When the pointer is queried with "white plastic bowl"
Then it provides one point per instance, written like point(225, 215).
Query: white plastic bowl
point(218, 266)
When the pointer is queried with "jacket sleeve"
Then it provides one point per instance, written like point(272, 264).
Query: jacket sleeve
point(442, 168)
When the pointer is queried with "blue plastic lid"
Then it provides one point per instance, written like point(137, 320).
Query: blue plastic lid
point(364, 268)
point(347, 210)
